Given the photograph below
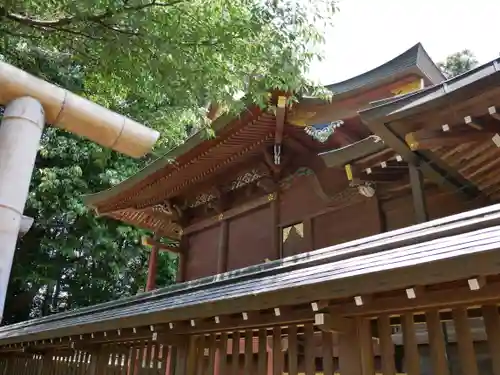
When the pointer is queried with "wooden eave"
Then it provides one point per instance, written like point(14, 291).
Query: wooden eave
point(357, 92)
point(440, 251)
point(441, 135)
point(173, 163)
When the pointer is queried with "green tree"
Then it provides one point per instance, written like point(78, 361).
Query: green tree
point(458, 63)
point(160, 63)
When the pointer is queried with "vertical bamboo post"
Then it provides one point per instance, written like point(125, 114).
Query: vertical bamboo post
point(20, 133)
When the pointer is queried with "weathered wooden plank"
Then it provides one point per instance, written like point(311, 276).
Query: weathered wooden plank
point(386, 345)
point(436, 342)
point(365, 346)
point(200, 360)
point(248, 364)
point(293, 354)
point(212, 351)
point(349, 353)
point(277, 354)
point(222, 354)
point(466, 351)
point(262, 354)
point(327, 353)
point(235, 353)
point(310, 365)
point(492, 327)
point(412, 356)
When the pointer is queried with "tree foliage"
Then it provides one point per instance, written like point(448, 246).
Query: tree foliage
point(160, 63)
point(458, 63)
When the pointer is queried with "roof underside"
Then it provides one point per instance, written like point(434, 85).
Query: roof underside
point(330, 273)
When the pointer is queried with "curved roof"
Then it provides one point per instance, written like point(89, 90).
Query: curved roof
point(129, 200)
point(415, 57)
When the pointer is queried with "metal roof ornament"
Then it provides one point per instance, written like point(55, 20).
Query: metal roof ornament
point(322, 132)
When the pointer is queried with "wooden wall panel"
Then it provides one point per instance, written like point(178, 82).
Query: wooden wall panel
point(250, 239)
point(202, 255)
point(298, 201)
point(399, 212)
point(346, 224)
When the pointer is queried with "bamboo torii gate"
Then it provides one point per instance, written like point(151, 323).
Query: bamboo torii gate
point(30, 103)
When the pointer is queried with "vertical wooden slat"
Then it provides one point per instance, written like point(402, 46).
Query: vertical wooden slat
point(492, 326)
point(191, 357)
point(327, 352)
point(262, 355)
point(235, 353)
point(465, 343)
point(82, 368)
point(155, 353)
point(436, 343)
point(366, 346)
point(222, 358)
point(293, 354)
point(212, 349)
point(277, 354)
point(134, 358)
point(200, 363)
point(386, 346)
point(349, 352)
point(412, 356)
point(309, 360)
point(141, 358)
point(248, 367)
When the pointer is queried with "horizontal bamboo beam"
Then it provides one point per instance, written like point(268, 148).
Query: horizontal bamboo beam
point(77, 115)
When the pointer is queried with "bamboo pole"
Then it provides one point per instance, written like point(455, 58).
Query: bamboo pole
point(77, 115)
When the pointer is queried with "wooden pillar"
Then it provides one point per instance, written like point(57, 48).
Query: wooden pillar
point(276, 235)
point(418, 194)
point(182, 260)
point(20, 133)
point(222, 249)
point(152, 269)
point(350, 353)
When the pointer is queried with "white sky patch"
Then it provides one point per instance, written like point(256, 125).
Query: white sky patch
point(368, 33)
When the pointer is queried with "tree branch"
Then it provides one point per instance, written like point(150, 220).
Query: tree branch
point(65, 21)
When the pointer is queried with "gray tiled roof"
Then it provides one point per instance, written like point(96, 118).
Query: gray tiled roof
point(464, 235)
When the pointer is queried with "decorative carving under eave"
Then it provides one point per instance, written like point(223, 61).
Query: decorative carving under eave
point(322, 132)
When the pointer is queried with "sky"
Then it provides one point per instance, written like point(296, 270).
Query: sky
point(368, 33)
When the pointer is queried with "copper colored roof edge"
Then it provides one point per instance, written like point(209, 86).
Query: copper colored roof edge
point(97, 199)
point(418, 101)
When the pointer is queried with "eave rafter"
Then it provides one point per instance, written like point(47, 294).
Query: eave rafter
point(472, 129)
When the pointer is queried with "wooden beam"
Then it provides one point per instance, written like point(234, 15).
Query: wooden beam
point(231, 213)
point(352, 152)
point(430, 168)
point(431, 138)
point(254, 320)
point(151, 242)
point(461, 296)
point(418, 194)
